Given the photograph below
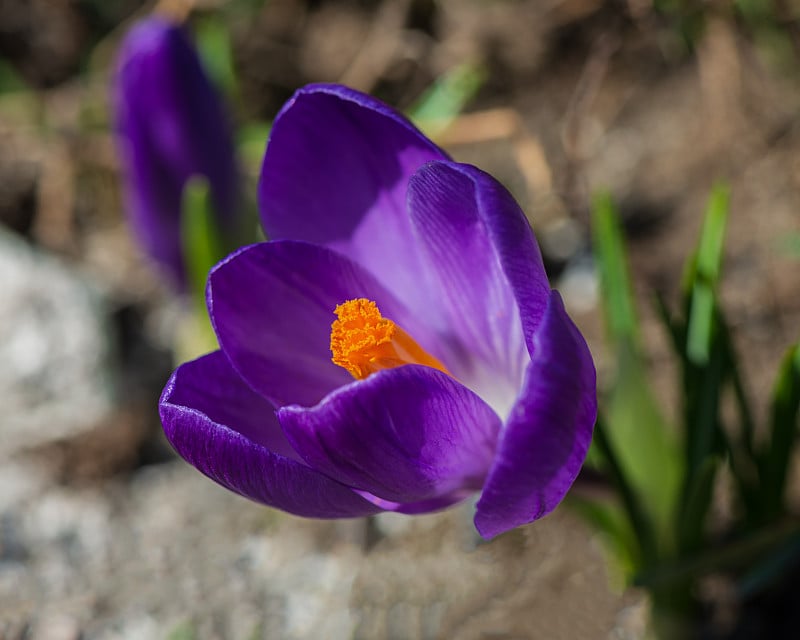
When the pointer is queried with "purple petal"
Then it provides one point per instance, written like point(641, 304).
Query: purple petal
point(219, 425)
point(487, 267)
point(547, 434)
point(335, 173)
point(272, 305)
point(170, 125)
point(480, 245)
point(407, 434)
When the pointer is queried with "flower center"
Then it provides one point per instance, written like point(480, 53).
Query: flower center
point(363, 341)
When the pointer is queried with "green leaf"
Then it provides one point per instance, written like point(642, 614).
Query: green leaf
point(783, 433)
point(702, 394)
point(705, 440)
point(705, 364)
point(611, 262)
point(701, 324)
point(214, 46)
point(648, 457)
point(703, 276)
point(712, 237)
point(695, 507)
point(747, 422)
point(203, 247)
point(742, 455)
point(202, 240)
point(446, 98)
point(642, 547)
point(706, 264)
point(251, 140)
point(729, 366)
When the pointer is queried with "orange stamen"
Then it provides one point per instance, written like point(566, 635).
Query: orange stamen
point(363, 341)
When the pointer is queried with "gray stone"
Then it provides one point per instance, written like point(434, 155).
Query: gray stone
point(54, 382)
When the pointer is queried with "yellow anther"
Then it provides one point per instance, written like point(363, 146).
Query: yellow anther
point(363, 341)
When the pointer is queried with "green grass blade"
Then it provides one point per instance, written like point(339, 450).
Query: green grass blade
point(742, 454)
point(202, 246)
point(783, 432)
point(640, 523)
point(747, 422)
point(712, 238)
point(610, 256)
point(251, 140)
point(701, 324)
point(446, 98)
point(704, 365)
point(704, 442)
point(216, 52)
point(695, 508)
point(703, 390)
point(647, 453)
point(646, 449)
point(703, 276)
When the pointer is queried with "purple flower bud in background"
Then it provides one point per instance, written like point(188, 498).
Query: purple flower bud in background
point(171, 126)
point(396, 346)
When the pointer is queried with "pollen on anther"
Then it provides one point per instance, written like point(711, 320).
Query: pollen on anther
point(357, 331)
point(364, 342)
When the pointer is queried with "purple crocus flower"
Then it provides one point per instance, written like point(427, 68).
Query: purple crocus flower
point(396, 346)
point(171, 126)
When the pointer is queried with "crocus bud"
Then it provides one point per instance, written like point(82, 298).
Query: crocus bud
point(170, 126)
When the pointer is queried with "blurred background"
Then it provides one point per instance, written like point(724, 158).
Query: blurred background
point(104, 534)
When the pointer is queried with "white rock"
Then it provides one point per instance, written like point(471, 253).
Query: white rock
point(54, 382)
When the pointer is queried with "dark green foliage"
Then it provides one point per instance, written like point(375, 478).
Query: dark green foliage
point(664, 477)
